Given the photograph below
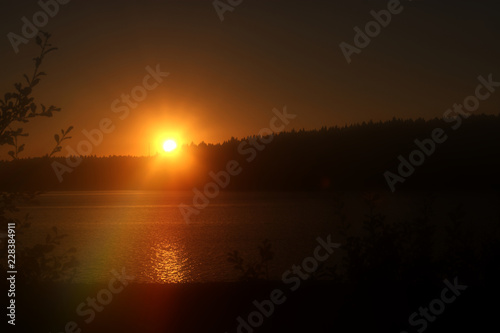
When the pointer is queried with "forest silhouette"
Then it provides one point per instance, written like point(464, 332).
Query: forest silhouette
point(349, 157)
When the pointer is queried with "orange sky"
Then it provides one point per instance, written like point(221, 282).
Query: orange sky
point(226, 77)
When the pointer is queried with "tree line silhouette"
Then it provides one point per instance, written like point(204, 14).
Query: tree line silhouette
point(349, 157)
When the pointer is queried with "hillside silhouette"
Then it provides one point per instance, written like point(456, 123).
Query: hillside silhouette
point(349, 157)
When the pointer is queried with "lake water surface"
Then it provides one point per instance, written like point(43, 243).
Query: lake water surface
point(145, 233)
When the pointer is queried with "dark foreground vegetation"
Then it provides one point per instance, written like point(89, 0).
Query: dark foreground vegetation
point(214, 307)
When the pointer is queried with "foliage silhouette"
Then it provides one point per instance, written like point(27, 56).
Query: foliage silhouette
point(40, 262)
point(254, 270)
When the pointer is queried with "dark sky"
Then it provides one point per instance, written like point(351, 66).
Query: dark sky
point(226, 77)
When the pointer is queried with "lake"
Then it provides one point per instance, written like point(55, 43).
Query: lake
point(145, 232)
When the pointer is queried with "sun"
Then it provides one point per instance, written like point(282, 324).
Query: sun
point(169, 145)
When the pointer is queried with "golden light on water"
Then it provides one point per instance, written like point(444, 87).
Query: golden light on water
point(167, 264)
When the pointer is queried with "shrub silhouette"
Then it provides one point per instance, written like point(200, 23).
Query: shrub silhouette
point(254, 270)
point(39, 262)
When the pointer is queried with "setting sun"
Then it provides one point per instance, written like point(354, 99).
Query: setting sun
point(169, 145)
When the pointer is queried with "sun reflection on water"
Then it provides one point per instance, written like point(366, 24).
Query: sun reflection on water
point(167, 264)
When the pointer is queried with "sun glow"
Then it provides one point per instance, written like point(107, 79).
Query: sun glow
point(169, 145)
